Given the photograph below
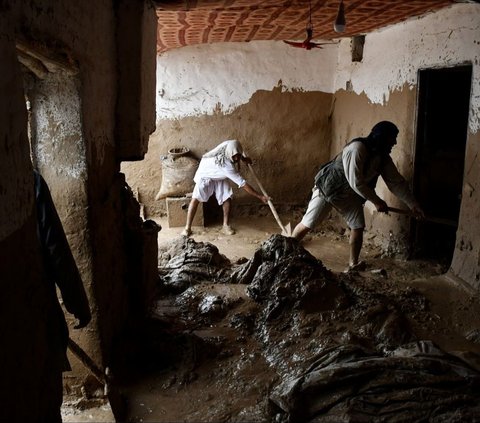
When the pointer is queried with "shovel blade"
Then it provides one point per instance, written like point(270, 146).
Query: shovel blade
point(287, 230)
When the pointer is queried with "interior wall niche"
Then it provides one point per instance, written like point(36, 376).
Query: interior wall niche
point(358, 41)
point(442, 127)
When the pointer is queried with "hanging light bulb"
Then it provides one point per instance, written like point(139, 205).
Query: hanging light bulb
point(339, 25)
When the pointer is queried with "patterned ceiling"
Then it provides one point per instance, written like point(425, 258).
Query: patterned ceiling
point(188, 22)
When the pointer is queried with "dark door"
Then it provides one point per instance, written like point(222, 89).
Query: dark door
point(444, 98)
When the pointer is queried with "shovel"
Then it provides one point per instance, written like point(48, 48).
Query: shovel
point(286, 230)
point(117, 401)
point(439, 220)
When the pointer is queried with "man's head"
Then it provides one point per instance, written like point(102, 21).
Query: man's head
point(384, 136)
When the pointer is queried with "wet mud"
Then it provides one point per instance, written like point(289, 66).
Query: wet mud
point(282, 338)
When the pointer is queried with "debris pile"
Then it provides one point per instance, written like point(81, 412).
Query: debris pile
point(332, 347)
point(282, 276)
point(186, 263)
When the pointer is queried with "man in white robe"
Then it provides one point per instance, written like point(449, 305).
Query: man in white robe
point(214, 172)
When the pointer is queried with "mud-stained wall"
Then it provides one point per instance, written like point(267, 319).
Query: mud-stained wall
point(87, 156)
point(217, 78)
point(466, 260)
point(64, 32)
point(203, 91)
point(354, 115)
point(286, 133)
point(393, 56)
point(23, 296)
point(274, 98)
point(383, 86)
point(58, 153)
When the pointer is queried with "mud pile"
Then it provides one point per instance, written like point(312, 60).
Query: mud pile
point(186, 263)
point(339, 347)
point(283, 276)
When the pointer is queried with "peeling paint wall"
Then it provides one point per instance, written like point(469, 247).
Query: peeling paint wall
point(383, 86)
point(393, 56)
point(272, 97)
point(217, 78)
point(208, 93)
point(57, 127)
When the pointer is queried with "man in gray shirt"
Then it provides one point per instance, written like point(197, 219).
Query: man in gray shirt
point(348, 181)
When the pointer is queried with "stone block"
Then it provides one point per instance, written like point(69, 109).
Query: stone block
point(177, 208)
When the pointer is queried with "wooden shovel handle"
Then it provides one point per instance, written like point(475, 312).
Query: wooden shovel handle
point(439, 220)
point(275, 214)
point(86, 361)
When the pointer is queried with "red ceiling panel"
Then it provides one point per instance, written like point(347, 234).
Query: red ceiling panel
point(182, 23)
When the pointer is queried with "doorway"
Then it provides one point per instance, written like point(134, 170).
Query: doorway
point(442, 122)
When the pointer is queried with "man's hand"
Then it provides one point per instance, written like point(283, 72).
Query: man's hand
point(264, 198)
point(418, 213)
point(381, 206)
point(247, 160)
point(83, 321)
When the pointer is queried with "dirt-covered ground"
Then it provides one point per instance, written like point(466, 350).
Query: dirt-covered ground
point(256, 327)
point(218, 351)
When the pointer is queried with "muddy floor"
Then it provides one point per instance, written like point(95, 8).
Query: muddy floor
point(255, 328)
point(217, 351)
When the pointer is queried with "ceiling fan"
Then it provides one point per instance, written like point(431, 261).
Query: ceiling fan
point(307, 44)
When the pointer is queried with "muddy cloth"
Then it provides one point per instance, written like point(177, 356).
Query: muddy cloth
point(283, 275)
point(187, 263)
point(415, 382)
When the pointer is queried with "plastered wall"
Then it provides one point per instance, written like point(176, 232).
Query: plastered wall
point(208, 93)
point(89, 43)
point(283, 140)
point(76, 123)
point(384, 86)
point(23, 296)
point(274, 98)
point(59, 154)
point(354, 116)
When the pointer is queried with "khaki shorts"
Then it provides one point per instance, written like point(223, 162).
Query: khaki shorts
point(318, 209)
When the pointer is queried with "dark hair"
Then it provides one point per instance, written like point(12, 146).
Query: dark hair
point(379, 134)
point(383, 130)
